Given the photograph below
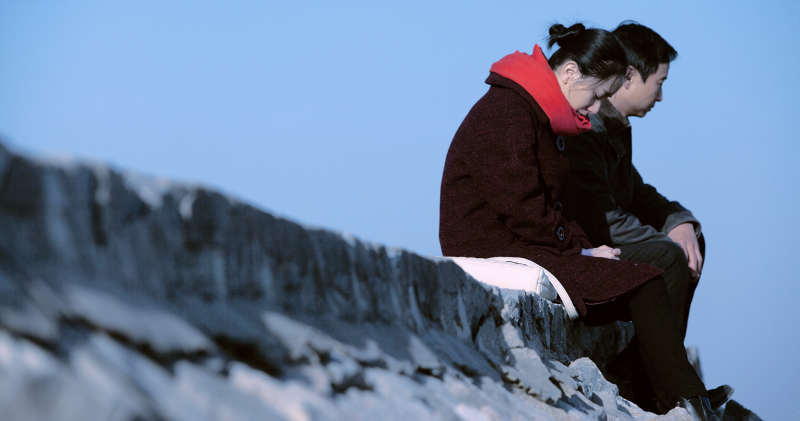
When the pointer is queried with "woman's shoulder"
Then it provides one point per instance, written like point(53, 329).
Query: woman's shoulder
point(505, 86)
point(506, 98)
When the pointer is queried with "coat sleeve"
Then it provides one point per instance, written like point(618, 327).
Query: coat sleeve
point(656, 210)
point(503, 162)
point(591, 201)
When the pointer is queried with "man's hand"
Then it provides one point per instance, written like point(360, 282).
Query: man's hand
point(684, 235)
point(602, 251)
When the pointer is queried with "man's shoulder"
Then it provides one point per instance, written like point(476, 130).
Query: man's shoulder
point(598, 126)
point(592, 141)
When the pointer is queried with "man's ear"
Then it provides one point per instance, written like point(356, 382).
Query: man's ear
point(629, 72)
point(570, 72)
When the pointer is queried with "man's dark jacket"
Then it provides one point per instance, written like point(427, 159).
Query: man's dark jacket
point(606, 194)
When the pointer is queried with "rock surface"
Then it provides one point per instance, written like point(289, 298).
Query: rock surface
point(124, 297)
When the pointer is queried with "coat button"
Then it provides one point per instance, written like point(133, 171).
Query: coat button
point(560, 143)
point(557, 207)
point(560, 233)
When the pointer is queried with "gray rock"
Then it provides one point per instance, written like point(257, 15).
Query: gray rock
point(5, 159)
point(292, 399)
point(456, 353)
point(155, 328)
point(148, 299)
point(529, 373)
point(27, 320)
point(545, 327)
point(423, 357)
point(22, 186)
point(630, 410)
point(579, 407)
point(598, 391)
point(593, 384)
point(37, 386)
point(343, 371)
point(676, 414)
point(154, 383)
point(215, 398)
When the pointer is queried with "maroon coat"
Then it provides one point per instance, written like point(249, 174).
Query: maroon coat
point(503, 180)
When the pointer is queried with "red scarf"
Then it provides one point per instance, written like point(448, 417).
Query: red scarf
point(534, 74)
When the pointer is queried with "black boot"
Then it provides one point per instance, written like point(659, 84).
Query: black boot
point(717, 397)
point(698, 408)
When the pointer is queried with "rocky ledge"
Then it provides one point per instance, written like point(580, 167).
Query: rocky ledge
point(124, 297)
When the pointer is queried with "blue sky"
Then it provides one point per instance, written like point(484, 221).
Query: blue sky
point(340, 115)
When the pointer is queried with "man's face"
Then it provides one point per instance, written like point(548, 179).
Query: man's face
point(643, 95)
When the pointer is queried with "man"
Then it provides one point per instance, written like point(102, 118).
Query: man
point(612, 204)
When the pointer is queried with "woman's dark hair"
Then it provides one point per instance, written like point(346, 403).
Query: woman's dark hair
point(597, 52)
point(646, 49)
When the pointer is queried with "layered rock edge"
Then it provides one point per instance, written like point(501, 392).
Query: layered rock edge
point(125, 297)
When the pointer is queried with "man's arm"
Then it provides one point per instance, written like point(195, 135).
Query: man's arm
point(656, 210)
point(590, 200)
point(670, 217)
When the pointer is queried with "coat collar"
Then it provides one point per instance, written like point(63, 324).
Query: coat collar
point(613, 120)
point(496, 80)
point(617, 127)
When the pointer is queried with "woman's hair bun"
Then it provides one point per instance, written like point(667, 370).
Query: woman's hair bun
point(561, 35)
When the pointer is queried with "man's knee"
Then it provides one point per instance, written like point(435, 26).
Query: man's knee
point(674, 254)
point(662, 254)
point(667, 255)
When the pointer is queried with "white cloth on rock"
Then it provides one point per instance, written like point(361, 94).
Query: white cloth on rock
point(517, 273)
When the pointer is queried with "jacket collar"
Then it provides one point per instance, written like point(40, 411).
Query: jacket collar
point(616, 125)
point(613, 120)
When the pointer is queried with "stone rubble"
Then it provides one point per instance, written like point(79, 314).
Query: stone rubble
point(124, 298)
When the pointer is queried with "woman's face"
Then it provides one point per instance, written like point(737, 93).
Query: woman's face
point(584, 94)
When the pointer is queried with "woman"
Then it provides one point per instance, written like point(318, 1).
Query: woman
point(506, 172)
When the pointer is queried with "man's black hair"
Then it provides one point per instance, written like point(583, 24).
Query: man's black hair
point(645, 48)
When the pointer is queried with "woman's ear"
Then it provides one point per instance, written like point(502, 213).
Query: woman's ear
point(570, 72)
